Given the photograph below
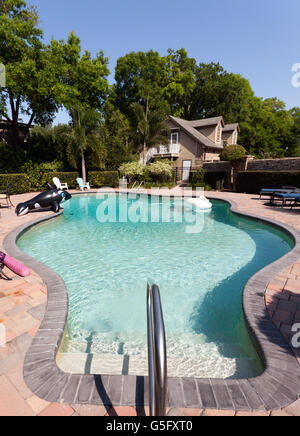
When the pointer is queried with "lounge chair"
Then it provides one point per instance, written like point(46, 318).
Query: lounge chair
point(271, 192)
point(82, 185)
point(6, 196)
point(59, 185)
point(292, 197)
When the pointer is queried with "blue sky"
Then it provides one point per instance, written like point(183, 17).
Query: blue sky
point(258, 38)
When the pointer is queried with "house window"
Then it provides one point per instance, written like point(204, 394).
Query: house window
point(175, 138)
point(218, 134)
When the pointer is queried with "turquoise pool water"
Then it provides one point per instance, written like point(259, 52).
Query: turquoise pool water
point(201, 275)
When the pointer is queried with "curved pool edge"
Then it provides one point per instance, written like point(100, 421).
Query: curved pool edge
point(276, 388)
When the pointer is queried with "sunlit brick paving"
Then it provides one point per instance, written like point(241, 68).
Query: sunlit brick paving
point(23, 302)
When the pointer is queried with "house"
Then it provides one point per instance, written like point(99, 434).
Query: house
point(194, 142)
point(6, 129)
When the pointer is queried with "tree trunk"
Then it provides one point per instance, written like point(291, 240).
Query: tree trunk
point(145, 153)
point(83, 167)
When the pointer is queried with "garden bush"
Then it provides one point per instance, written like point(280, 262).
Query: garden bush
point(20, 183)
point(98, 179)
point(159, 172)
point(132, 171)
point(207, 180)
point(252, 182)
point(233, 153)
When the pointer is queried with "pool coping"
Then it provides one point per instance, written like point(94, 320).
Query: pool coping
point(276, 388)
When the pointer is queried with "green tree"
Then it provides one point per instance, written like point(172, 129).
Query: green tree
point(117, 137)
point(32, 69)
point(220, 93)
point(181, 84)
point(140, 78)
point(150, 126)
point(84, 80)
point(83, 137)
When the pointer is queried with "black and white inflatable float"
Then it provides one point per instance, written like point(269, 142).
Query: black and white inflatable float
point(53, 197)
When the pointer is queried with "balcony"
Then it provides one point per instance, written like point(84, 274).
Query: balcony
point(173, 150)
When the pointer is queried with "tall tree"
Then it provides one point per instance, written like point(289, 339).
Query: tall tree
point(140, 78)
point(181, 84)
point(150, 126)
point(84, 136)
point(32, 69)
point(84, 80)
point(117, 137)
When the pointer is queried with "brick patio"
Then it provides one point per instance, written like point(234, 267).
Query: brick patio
point(23, 304)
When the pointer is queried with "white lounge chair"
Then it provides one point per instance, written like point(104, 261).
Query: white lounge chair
point(59, 185)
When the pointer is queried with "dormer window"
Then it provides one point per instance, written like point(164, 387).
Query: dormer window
point(234, 137)
point(218, 134)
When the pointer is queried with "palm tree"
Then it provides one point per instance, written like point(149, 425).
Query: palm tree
point(84, 135)
point(150, 126)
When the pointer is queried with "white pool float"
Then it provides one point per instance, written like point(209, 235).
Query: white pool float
point(201, 203)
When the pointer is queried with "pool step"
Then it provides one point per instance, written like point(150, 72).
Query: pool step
point(106, 364)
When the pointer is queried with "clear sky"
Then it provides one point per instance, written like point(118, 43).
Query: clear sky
point(259, 39)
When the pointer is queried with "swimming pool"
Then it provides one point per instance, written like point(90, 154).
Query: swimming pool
point(201, 275)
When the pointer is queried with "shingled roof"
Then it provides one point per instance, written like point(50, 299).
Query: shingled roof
point(231, 127)
point(207, 122)
point(187, 126)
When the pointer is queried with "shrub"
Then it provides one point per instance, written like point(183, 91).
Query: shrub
point(160, 172)
point(208, 180)
point(233, 153)
point(216, 180)
point(98, 179)
point(20, 183)
point(132, 170)
point(197, 178)
point(252, 182)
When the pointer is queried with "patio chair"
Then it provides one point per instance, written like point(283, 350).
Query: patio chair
point(59, 185)
point(82, 185)
point(296, 201)
point(6, 196)
point(271, 192)
point(291, 197)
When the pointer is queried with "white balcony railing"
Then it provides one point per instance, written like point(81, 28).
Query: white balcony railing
point(163, 149)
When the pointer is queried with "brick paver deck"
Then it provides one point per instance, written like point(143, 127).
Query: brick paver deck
point(22, 308)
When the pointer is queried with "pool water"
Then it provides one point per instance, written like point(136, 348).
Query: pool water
point(201, 275)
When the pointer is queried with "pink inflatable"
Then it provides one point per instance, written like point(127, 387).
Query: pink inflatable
point(14, 265)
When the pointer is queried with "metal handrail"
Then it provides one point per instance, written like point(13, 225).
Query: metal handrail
point(157, 353)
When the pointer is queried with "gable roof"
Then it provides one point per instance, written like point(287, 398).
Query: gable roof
point(191, 131)
point(207, 122)
point(232, 127)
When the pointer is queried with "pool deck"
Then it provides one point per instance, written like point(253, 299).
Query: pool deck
point(23, 303)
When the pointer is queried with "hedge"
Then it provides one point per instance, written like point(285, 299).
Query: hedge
point(252, 182)
point(21, 183)
point(109, 179)
point(215, 180)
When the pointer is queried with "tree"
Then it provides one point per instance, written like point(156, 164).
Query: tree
point(140, 78)
point(150, 126)
point(32, 69)
point(117, 137)
point(83, 136)
point(220, 93)
point(84, 80)
point(180, 86)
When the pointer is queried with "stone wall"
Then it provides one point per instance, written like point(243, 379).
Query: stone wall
point(288, 164)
